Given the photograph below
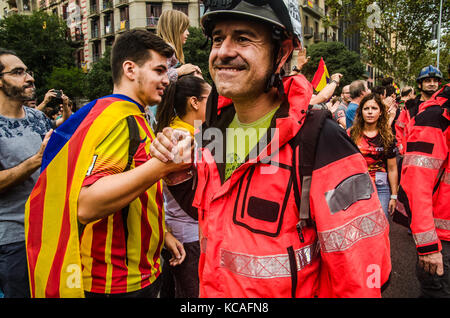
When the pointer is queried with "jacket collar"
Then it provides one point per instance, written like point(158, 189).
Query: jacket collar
point(287, 121)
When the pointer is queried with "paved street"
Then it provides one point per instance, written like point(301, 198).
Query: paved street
point(403, 254)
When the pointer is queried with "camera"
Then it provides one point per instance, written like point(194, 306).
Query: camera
point(58, 97)
point(57, 100)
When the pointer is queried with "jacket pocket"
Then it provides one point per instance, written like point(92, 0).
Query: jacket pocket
point(261, 200)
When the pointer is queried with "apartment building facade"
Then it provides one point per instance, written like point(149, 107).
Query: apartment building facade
point(94, 24)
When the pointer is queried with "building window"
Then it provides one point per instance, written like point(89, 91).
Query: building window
point(124, 19)
point(64, 11)
point(183, 7)
point(95, 26)
point(26, 5)
point(96, 51)
point(153, 11)
point(108, 23)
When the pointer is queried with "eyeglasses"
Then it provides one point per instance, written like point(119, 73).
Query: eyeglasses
point(19, 71)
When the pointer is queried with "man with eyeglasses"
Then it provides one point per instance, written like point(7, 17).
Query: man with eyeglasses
point(24, 133)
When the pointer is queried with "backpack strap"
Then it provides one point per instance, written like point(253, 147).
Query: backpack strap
point(304, 146)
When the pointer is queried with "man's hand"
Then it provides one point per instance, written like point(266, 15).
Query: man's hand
point(302, 59)
point(40, 153)
point(432, 263)
point(175, 248)
point(172, 145)
point(336, 77)
point(188, 68)
point(392, 205)
point(49, 96)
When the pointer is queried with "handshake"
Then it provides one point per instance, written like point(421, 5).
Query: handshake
point(175, 147)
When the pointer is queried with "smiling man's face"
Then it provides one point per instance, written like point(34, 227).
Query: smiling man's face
point(240, 61)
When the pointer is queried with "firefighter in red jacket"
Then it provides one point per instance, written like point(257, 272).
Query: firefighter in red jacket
point(428, 82)
point(254, 241)
point(425, 191)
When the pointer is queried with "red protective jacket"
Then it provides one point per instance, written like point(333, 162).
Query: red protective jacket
point(250, 245)
point(425, 180)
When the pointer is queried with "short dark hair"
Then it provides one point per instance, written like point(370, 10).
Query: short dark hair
point(390, 89)
point(5, 52)
point(357, 88)
point(380, 90)
point(134, 45)
point(387, 81)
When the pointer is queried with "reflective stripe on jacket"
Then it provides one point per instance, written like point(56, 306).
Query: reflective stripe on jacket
point(251, 246)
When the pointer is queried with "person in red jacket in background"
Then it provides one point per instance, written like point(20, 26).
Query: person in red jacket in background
point(244, 190)
point(428, 82)
point(425, 192)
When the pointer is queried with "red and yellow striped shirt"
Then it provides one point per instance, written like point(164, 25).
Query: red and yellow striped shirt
point(121, 253)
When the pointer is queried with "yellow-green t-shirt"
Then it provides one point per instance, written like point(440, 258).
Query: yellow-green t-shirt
point(242, 139)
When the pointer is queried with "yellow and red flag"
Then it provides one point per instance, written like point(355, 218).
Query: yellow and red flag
point(51, 222)
point(321, 77)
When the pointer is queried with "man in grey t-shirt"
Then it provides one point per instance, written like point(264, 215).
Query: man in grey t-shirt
point(24, 133)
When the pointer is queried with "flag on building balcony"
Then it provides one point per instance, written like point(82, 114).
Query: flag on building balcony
point(321, 77)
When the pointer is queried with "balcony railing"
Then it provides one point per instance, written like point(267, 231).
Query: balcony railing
point(120, 3)
point(107, 5)
point(316, 36)
point(93, 9)
point(308, 32)
point(42, 4)
point(108, 30)
point(152, 21)
point(94, 33)
point(313, 7)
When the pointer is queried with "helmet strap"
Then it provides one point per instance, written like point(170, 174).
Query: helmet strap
point(281, 55)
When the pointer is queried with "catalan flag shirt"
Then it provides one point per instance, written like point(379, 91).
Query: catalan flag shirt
point(121, 253)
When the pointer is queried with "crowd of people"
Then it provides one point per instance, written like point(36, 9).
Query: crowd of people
point(252, 187)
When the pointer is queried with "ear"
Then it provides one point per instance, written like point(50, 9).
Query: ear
point(286, 49)
point(193, 101)
point(129, 70)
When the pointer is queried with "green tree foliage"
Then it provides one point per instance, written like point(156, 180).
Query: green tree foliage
point(337, 58)
point(40, 41)
point(68, 79)
point(402, 35)
point(196, 51)
point(98, 81)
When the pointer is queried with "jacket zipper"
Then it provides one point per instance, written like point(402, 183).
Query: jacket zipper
point(249, 176)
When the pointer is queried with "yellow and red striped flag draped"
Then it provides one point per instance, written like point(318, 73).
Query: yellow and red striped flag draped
point(51, 222)
point(321, 77)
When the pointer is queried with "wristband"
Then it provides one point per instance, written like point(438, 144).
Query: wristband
point(393, 197)
point(333, 81)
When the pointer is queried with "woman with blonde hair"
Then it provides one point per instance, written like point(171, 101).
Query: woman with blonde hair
point(173, 27)
point(373, 135)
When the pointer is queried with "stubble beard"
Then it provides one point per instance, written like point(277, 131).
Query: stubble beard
point(17, 93)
